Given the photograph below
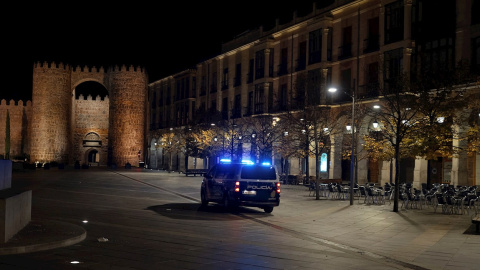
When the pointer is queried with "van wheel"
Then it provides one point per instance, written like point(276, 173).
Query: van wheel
point(268, 209)
point(203, 198)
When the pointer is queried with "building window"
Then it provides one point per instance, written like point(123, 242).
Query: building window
point(250, 71)
point(213, 86)
point(313, 87)
point(250, 103)
point(178, 89)
point(475, 12)
point(345, 51)
point(283, 67)
point(394, 22)
point(393, 68)
point(213, 106)
point(372, 43)
point(203, 86)
point(476, 55)
point(225, 79)
point(282, 102)
point(259, 99)
point(345, 84)
point(238, 75)
point(372, 85)
point(160, 100)
point(154, 100)
point(438, 55)
point(270, 62)
point(225, 108)
point(315, 47)
point(259, 64)
point(153, 120)
point(302, 56)
point(237, 108)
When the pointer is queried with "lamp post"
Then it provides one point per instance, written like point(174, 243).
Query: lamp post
point(352, 156)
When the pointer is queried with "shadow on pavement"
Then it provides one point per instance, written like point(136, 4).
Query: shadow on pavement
point(195, 211)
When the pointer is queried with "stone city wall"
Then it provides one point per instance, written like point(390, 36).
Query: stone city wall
point(20, 115)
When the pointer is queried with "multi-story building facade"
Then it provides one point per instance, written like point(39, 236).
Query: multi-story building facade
point(359, 46)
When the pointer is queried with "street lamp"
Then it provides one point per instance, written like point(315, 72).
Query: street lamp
point(352, 157)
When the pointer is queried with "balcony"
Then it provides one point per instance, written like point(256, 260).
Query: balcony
point(237, 81)
point(371, 44)
point(368, 91)
point(393, 35)
point(224, 85)
point(315, 57)
point(282, 69)
point(259, 73)
point(213, 88)
point(250, 78)
point(301, 64)
point(345, 51)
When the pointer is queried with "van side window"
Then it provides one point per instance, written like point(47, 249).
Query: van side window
point(222, 172)
point(210, 172)
point(227, 171)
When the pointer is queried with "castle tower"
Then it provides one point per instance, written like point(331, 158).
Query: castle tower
point(128, 90)
point(51, 103)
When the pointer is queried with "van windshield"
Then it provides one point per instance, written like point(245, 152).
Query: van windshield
point(258, 172)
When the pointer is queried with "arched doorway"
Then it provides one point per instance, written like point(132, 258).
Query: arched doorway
point(93, 158)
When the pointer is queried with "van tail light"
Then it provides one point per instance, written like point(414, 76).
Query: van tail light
point(237, 186)
point(278, 187)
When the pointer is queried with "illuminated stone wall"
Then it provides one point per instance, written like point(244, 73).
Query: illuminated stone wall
point(128, 88)
point(20, 114)
point(91, 117)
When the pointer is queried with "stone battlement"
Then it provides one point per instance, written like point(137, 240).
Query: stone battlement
point(90, 98)
point(14, 103)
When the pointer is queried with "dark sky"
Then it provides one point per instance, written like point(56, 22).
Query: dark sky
point(163, 37)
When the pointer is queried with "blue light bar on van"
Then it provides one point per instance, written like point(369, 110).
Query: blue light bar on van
point(225, 160)
point(266, 163)
point(246, 161)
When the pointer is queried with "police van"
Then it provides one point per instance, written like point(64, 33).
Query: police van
point(241, 184)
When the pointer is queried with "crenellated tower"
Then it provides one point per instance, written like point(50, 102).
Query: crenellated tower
point(128, 89)
point(51, 103)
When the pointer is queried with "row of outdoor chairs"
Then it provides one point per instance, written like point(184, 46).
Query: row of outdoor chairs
point(451, 204)
point(451, 200)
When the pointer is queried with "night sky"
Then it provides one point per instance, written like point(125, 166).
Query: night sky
point(165, 38)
